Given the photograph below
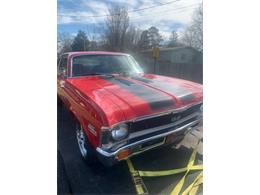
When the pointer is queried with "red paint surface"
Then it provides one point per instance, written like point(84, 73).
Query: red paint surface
point(102, 103)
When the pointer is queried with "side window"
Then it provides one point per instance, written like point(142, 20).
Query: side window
point(63, 68)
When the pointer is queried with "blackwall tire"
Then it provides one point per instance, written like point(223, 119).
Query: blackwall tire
point(85, 149)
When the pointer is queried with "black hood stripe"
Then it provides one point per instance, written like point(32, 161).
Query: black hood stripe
point(183, 94)
point(155, 99)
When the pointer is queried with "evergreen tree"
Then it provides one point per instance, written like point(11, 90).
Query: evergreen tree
point(154, 37)
point(80, 42)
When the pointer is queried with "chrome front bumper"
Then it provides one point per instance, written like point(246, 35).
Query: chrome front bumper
point(109, 158)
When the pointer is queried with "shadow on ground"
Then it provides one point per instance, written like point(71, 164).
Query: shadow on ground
point(76, 177)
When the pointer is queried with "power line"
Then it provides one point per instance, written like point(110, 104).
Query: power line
point(138, 20)
point(135, 10)
point(140, 17)
point(161, 4)
point(163, 12)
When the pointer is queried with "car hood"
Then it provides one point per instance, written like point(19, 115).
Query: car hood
point(128, 97)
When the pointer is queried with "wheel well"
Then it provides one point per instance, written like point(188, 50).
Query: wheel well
point(74, 118)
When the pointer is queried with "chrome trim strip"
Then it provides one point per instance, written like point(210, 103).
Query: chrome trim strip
point(71, 63)
point(164, 113)
point(91, 128)
point(107, 154)
point(156, 115)
point(154, 129)
point(72, 56)
point(148, 148)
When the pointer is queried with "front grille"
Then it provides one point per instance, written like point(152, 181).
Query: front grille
point(162, 120)
point(163, 131)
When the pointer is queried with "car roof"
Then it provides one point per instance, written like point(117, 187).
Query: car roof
point(94, 53)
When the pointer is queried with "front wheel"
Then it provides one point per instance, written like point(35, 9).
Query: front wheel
point(87, 152)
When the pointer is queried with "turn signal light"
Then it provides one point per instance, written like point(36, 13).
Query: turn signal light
point(123, 154)
point(170, 138)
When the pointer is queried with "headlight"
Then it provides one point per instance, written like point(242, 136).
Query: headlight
point(119, 132)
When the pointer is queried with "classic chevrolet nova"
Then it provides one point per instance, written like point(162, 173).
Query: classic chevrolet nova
point(119, 111)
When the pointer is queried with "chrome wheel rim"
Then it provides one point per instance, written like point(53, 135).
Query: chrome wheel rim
point(81, 142)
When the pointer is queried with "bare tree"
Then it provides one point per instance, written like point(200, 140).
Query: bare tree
point(91, 34)
point(132, 38)
point(64, 43)
point(193, 34)
point(117, 24)
point(144, 41)
point(173, 39)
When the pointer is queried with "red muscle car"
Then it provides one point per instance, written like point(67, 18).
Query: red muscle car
point(119, 111)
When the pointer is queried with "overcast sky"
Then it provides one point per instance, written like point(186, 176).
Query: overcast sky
point(88, 15)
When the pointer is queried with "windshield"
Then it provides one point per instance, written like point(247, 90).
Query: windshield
point(85, 65)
